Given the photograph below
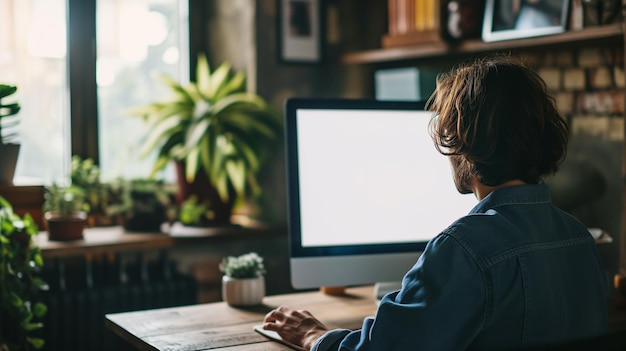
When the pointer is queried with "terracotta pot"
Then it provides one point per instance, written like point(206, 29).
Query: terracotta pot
point(65, 228)
point(243, 291)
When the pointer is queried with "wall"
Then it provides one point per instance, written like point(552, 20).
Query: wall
point(588, 84)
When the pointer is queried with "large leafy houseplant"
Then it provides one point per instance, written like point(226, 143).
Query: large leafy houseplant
point(217, 134)
point(20, 283)
point(9, 146)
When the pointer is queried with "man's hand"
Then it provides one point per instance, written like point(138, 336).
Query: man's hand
point(295, 326)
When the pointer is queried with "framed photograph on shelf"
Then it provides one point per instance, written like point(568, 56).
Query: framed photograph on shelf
point(515, 19)
point(300, 31)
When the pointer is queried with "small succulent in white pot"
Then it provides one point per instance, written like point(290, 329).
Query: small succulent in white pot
point(243, 282)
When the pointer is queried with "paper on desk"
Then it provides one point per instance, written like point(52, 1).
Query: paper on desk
point(274, 336)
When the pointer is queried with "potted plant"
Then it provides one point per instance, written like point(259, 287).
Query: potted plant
point(85, 174)
point(143, 204)
point(20, 265)
point(243, 282)
point(9, 147)
point(215, 132)
point(65, 212)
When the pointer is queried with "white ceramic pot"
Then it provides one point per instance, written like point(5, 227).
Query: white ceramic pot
point(243, 291)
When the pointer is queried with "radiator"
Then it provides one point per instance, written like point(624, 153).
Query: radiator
point(83, 290)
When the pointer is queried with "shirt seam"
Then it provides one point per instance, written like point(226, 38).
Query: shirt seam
point(486, 285)
point(489, 262)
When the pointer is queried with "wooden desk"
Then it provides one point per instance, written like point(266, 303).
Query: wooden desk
point(219, 326)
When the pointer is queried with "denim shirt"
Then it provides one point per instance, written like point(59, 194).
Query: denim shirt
point(515, 273)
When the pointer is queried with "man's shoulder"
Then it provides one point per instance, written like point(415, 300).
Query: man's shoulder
point(491, 233)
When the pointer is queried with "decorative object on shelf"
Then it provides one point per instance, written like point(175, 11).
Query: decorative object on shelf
point(601, 12)
point(515, 19)
point(9, 146)
point(65, 212)
point(301, 33)
point(413, 22)
point(216, 133)
point(243, 282)
point(462, 19)
point(20, 264)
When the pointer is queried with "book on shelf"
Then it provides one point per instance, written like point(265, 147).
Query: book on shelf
point(412, 22)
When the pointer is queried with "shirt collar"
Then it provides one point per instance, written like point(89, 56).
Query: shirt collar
point(514, 195)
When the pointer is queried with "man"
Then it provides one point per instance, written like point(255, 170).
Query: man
point(516, 272)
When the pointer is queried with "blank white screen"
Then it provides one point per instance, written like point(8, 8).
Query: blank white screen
point(371, 177)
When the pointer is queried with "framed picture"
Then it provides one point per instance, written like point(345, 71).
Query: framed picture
point(300, 31)
point(514, 19)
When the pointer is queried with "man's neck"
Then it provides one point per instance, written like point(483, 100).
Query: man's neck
point(481, 190)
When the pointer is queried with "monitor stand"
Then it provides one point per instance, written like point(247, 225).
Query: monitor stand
point(383, 288)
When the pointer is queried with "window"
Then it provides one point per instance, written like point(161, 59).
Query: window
point(56, 78)
point(136, 39)
point(33, 56)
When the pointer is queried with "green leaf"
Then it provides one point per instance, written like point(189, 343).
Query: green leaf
point(16, 301)
point(237, 174)
point(40, 309)
point(248, 154)
point(7, 90)
point(195, 133)
point(236, 100)
point(236, 84)
point(218, 80)
point(11, 109)
point(203, 74)
point(159, 164)
point(181, 93)
point(157, 135)
point(221, 184)
point(33, 326)
point(36, 342)
point(206, 150)
point(191, 165)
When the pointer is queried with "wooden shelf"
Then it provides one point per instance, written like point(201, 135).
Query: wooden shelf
point(608, 33)
point(102, 240)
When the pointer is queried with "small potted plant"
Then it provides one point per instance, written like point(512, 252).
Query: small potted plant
point(142, 204)
point(85, 173)
point(21, 309)
point(65, 212)
point(243, 282)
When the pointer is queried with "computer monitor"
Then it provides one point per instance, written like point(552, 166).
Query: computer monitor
point(366, 190)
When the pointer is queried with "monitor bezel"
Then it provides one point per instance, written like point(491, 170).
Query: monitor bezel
point(293, 186)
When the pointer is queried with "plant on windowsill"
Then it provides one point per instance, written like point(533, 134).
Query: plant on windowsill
point(144, 204)
point(193, 218)
point(243, 282)
point(85, 174)
point(65, 212)
point(216, 133)
point(9, 146)
point(20, 264)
